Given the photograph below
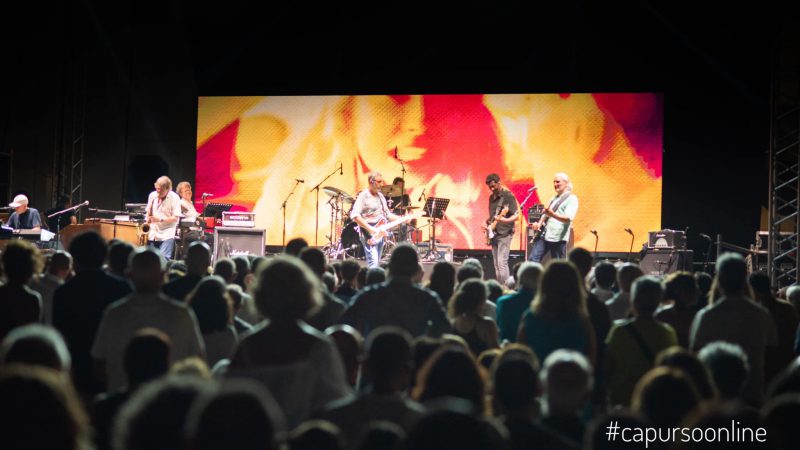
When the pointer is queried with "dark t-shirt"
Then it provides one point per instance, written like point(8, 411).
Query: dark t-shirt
point(496, 204)
point(25, 221)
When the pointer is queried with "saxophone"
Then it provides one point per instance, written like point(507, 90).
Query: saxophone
point(144, 228)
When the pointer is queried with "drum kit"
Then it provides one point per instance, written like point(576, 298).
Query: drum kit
point(344, 240)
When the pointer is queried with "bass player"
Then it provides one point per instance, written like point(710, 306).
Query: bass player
point(503, 213)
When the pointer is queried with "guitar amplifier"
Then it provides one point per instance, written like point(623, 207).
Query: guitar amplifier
point(671, 239)
point(236, 241)
point(239, 219)
point(663, 261)
point(535, 213)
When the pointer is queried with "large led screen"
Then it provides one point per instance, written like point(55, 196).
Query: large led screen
point(250, 150)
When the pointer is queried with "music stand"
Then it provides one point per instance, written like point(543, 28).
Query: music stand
point(216, 209)
point(434, 209)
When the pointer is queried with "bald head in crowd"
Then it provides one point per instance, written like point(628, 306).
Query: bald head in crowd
point(147, 268)
point(198, 258)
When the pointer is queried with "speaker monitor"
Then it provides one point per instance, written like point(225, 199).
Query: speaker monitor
point(234, 241)
point(665, 261)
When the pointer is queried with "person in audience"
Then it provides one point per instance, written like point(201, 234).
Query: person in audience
point(470, 268)
point(332, 308)
point(192, 366)
point(786, 325)
point(214, 311)
point(567, 385)
point(79, 303)
point(146, 307)
point(387, 369)
point(421, 350)
point(382, 435)
point(787, 381)
point(198, 260)
point(511, 307)
point(295, 246)
point(119, 252)
point(377, 275)
point(40, 410)
point(59, 267)
point(443, 280)
point(347, 290)
point(619, 306)
point(682, 359)
point(632, 345)
point(240, 415)
point(704, 282)
point(681, 289)
point(225, 268)
point(398, 301)
point(350, 344)
point(736, 319)
point(600, 317)
point(558, 317)
point(38, 345)
point(361, 280)
point(316, 435)
point(515, 377)
point(665, 396)
point(604, 276)
point(719, 417)
point(780, 418)
point(243, 273)
point(729, 367)
point(19, 304)
point(296, 362)
point(454, 423)
point(467, 320)
point(154, 418)
point(496, 290)
point(146, 358)
point(451, 372)
point(242, 307)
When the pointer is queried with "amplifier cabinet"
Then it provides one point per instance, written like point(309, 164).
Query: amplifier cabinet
point(235, 241)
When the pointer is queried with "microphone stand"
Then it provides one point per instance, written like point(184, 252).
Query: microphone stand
point(597, 239)
point(58, 222)
point(523, 234)
point(316, 204)
point(630, 250)
point(283, 207)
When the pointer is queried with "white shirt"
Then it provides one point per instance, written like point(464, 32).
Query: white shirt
point(122, 319)
point(162, 209)
point(187, 210)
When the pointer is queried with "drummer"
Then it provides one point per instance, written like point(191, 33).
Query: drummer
point(400, 204)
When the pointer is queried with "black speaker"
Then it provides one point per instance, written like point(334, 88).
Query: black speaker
point(234, 241)
point(658, 261)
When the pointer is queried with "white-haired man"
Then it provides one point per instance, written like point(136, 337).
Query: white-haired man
point(554, 227)
point(163, 212)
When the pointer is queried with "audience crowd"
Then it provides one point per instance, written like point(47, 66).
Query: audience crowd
point(107, 346)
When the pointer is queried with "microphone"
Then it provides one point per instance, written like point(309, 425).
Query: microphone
point(206, 194)
point(299, 180)
point(86, 203)
point(340, 169)
point(594, 232)
point(705, 236)
point(420, 197)
point(533, 188)
point(628, 230)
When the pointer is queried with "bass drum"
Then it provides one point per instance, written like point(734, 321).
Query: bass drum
point(351, 240)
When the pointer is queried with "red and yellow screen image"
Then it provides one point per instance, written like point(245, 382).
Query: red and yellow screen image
point(250, 150)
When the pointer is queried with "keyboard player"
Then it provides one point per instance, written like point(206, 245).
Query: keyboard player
point(24, 217)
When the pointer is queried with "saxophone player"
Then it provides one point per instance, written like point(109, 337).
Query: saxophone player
point(163, 213)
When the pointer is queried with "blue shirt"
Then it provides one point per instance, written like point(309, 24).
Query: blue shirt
point(510, 309)
point(546, 335)
point(25, 221)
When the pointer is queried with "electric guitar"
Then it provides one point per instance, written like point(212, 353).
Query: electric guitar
point(491, 227)
point(383, 226)
point(534, 215)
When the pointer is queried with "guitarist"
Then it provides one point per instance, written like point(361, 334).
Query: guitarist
point(501, 200)
point(370, 208)
point(556, 221)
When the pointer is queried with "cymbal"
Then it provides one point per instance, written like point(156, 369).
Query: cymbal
point(336, 192)
point(391, 191)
